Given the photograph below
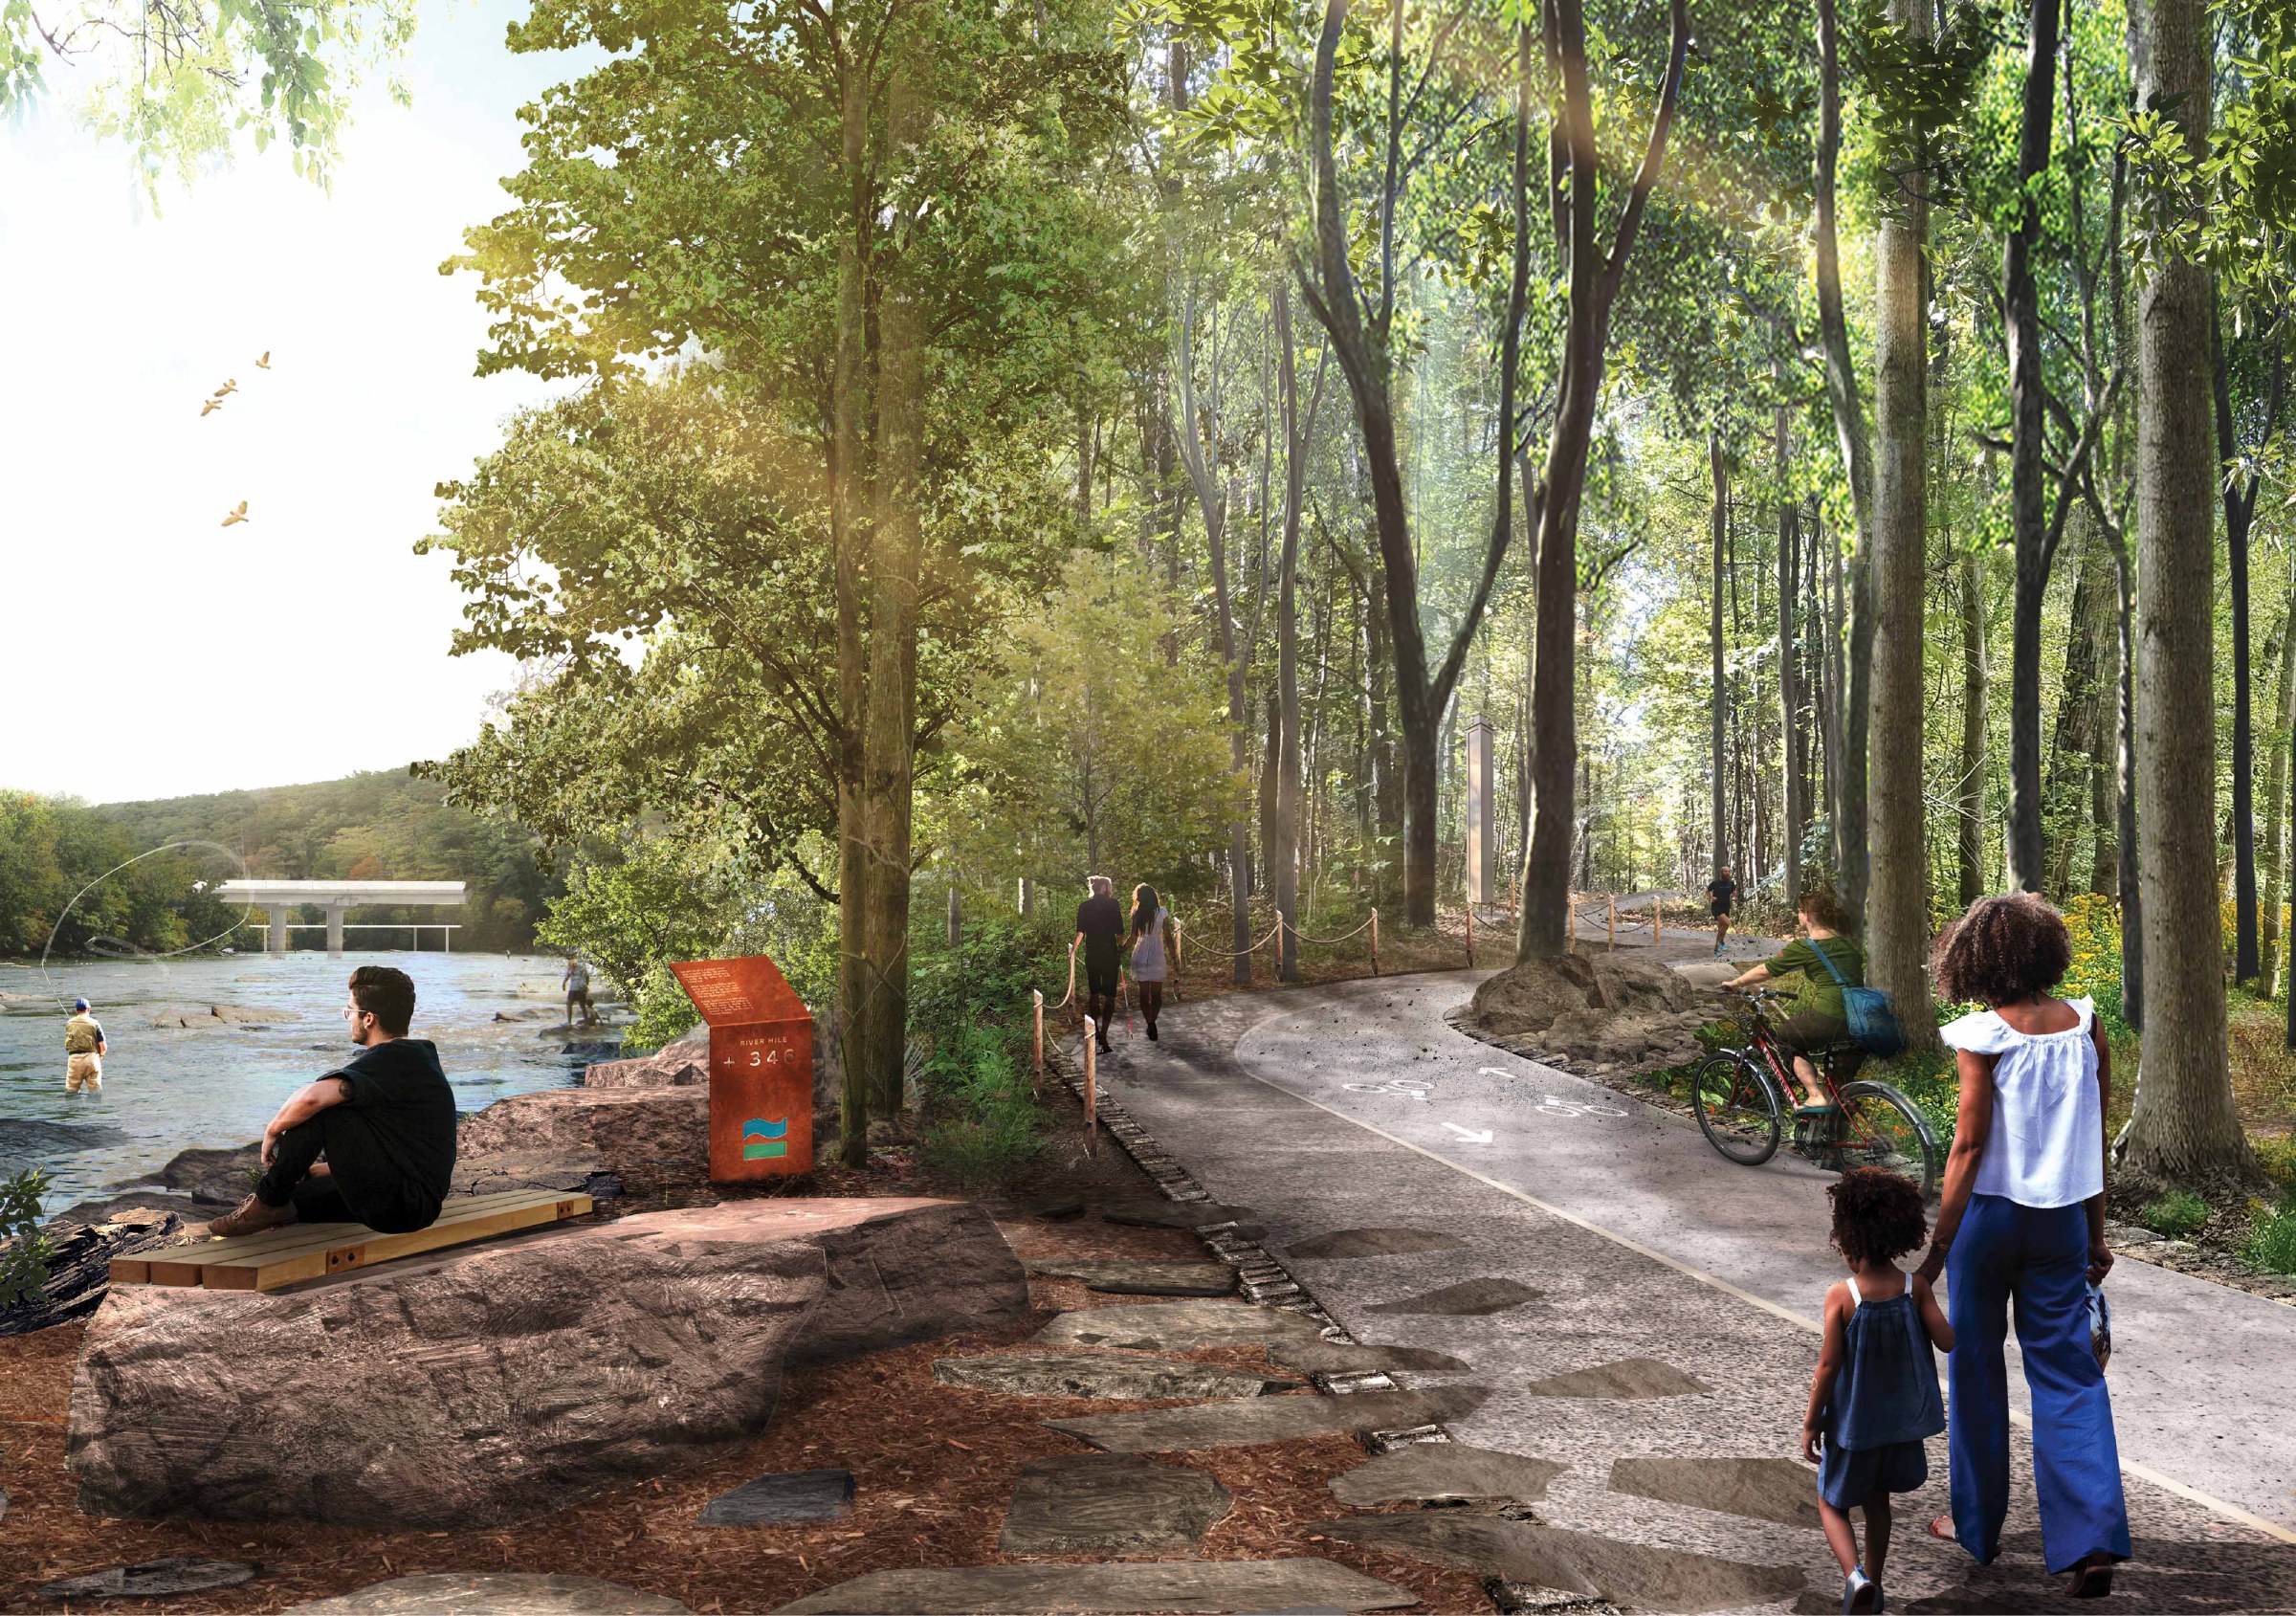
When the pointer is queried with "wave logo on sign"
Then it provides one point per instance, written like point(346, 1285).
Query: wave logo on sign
point(762, 1139)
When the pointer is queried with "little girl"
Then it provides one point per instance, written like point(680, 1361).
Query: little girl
point(1874, 1398)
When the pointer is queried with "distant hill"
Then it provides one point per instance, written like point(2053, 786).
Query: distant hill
point(379, 826)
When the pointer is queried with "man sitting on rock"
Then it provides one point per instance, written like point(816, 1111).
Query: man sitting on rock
point(384, 1121)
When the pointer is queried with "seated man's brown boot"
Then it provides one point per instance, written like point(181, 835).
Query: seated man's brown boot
point(250, 1217)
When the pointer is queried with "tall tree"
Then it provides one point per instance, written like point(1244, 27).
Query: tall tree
point(2183, 1124)
point(1717, 466)
point(1970, 799)
point(1789, 683)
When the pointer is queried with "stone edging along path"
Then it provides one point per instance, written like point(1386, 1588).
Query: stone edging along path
point(1262, 1279)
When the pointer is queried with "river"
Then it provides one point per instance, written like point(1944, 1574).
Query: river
point(168, 1086)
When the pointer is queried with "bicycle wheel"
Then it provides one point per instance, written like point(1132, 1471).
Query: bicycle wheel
point(1737, 1109)
point(1882, 1128)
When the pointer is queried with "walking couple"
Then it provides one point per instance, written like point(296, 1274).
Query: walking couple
point(1103, 932)
point(2019, 1230)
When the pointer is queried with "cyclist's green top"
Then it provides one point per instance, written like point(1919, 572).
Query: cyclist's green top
point(1816, 993)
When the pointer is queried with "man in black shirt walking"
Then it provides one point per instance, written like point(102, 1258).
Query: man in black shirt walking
point(384, 1121)
point(1720, 891)
point(1100, 938)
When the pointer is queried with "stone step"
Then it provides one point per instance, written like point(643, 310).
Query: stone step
point(1205, 1586)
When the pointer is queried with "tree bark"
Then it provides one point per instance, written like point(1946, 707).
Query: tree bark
point(1971, 793)
point(2078, 787)
point(1283, 847)
point(2241, 489)
point(1897, 910)
point(2031, 542)
point(1789, 684)
point(2183, 1126)
point(1854, 591)
point(1718, 698)
point(2282, 651)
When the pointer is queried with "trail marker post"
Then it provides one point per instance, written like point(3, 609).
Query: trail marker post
point(1614, 922)
point(1375, 943)
point(1092, 1082)
point(760, 1067)
point(1658, 921)
point(1038, 995)
point(1471, 937)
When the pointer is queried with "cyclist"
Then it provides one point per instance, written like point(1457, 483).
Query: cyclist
point(1815, 1019)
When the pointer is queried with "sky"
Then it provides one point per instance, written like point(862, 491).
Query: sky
point(152, 651)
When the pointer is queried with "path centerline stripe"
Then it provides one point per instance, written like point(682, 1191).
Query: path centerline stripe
point(2129, 1467)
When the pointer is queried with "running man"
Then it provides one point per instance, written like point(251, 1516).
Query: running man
point(1099, 939)
point(576, 981)
point(84, 1049)
point(1720, 891)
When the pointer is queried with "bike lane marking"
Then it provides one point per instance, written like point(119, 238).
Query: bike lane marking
point(2018, 1417)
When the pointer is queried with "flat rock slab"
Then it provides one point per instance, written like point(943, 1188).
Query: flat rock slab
point(1109, 1504)
point(1247, 1421)
point(154, 1579)
point(499, 1593)
point(1376, 1243)
point(1627, 1377)
point(1141, 1278)
point(483, 1384)
point(776, 1501)
point(1145, 1213)
point(1098, 1374)
point(652, 1139)
point(1470, 1298)
point(1180, 1326)
point(1440, 1472)
point(1638, 1575)
point(1208, 1586)
point(1349, 1357)
point(1779, 1490)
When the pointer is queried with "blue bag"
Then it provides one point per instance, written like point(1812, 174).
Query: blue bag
point(1871, 1018)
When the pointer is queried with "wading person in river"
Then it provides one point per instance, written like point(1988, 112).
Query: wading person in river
point(1099, 941)
point(575, 982)
point(2023, 1219)
point(1151, 923)
point(84, 1049)
point(371, 1142)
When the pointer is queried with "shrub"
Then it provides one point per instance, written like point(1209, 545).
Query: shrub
point(981, 1120)
point(24, 1250)
point(2272, 1243)
point(2175, 1214)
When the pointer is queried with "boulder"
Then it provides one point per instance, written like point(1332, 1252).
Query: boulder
point(1529, 997)
point(682, 1064)
point(218, 1177)
point(491, 1382)
point(494, 1171)
point(651, 1139)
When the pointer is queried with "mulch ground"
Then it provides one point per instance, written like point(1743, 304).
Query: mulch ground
point(934, 1465)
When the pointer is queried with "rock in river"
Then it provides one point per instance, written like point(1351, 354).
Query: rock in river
point(491, 1382)
point(651, 1139)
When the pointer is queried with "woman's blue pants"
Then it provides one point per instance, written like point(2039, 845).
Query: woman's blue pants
point(2037, 1258)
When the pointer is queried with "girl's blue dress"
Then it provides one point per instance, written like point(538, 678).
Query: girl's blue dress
point(1885, 1401)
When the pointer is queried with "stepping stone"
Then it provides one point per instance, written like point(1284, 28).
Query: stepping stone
point(1141, 1279)
point(1351, 1357)
point(1628, 1377)
point(1376, 1243)
point(152, 1579)
point(1057, 1209)
point(1109, 1504)
point(1098, 1374)
point(1638, 1575)
point(1777, 1490)
point(1210, 1585)
point(1438, 1472)
point(775, 1500)
point(1180, 1326)
point(1173, 1214)
point(499, 1593)
point(1247, 1421)
point(1466, 1299)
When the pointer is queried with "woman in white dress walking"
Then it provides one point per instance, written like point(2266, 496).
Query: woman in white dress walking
point(1150, 923)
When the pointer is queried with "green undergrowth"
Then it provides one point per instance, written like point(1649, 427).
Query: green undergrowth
point(24, 1250)
point(979, 1121)
point(2177, 1214)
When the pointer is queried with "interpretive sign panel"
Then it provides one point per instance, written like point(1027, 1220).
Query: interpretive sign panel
point(760, 1067)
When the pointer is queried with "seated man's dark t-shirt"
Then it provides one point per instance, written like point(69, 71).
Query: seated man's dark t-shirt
point(390, 1145)
point(1101, 921)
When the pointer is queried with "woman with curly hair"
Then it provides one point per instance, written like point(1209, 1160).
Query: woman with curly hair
point(2022, 1216)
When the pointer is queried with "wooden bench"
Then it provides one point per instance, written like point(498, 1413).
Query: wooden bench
point(300, 1251)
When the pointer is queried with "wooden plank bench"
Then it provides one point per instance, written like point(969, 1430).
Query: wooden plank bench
point(300, 1251)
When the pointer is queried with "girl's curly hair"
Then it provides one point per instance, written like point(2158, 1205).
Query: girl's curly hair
point(2004, 951)
point(1877, 1216)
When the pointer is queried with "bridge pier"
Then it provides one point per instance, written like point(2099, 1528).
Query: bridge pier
point(335, 931)
point(279, 915)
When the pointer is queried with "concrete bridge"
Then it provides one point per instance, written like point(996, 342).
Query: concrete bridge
point(283, 898)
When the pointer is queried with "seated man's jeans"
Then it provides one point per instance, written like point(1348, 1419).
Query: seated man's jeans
point(360, 1184)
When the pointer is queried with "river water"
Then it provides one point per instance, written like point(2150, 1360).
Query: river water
point(215, 1083)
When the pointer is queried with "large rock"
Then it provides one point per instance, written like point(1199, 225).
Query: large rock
point(1594, 1007)
point(682, 1064)
point(498, 1593)
point(495, 1382)
point(652, 1139)
point(220, 1178)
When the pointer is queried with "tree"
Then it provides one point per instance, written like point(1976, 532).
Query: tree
point(2183, 1124)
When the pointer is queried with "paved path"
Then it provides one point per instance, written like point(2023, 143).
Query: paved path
point(1357, 1105)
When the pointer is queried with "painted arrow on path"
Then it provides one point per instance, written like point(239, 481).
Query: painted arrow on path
point(1469, 1135)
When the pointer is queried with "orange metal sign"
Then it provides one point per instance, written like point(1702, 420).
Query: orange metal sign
point(760, 1067)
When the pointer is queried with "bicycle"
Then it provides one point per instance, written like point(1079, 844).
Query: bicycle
point(1741, 1096)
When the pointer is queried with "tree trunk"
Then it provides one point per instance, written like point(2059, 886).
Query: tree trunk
point(2028, 470)
point(1971, 795)
point(1832, 728)
point(1718, 698)
point(2240, 491)
point(1283, 847)
point(2183, 1126)
point(1789, 684)
point(1897, 907)
point(2282, 651)
point(2069, 798)
point(1850, 791)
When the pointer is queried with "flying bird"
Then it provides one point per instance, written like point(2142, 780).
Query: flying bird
point(237, 516)
point(264, 364)
point(231, 385)
point(210, 406)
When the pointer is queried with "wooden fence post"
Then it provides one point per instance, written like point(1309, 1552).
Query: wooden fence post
point(1471, 937)
point(1038, 995)
point(1614, 922)
point(1092, 1082)
point(1375, 943)
point(1658, 921)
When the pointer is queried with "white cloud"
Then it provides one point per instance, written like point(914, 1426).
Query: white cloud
point(153, 651)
